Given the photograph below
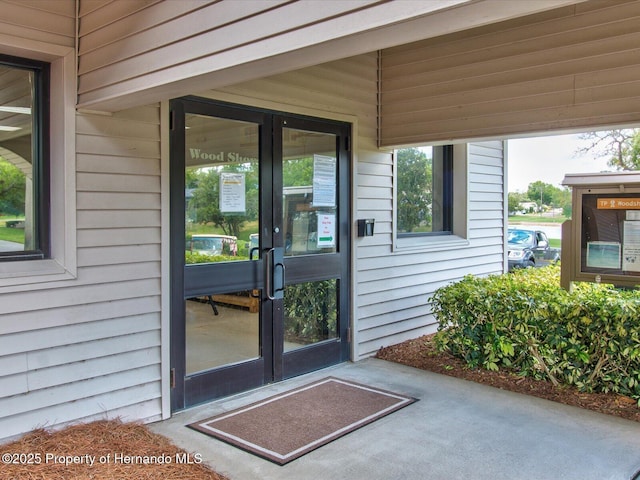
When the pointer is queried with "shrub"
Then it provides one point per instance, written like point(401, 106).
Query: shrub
point(195, 257)
point(526, 322)
point(310, 311)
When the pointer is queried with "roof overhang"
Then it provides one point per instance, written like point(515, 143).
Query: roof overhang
point(399, 23)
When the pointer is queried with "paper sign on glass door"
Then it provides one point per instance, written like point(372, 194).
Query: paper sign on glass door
point(324, 181)
point(232, 193)
point(326, 230)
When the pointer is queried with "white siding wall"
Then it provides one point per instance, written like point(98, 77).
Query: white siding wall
point(90, 347)
point(394, 287)
point(391, 289)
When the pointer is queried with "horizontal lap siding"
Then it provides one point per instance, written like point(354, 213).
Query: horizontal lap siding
point(90, 347)
point(394, 289)
point(142, 51)
point(48, 21)
point(344, 87)
point(123, 42)
point(574, 67)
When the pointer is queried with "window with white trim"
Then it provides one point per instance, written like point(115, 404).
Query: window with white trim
point(424, 191)
point(56, 198)
point(430, 200)
point(24, 159)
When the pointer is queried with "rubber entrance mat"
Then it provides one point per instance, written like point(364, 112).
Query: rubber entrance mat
point(288, 425)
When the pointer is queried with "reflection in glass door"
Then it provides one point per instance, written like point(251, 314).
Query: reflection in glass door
point(313, 189)
point(310, 214)
point(220, 323)
point(222, 206)
point(219, 333)
point(310, 313)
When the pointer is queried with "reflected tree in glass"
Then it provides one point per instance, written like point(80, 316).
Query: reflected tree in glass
point(311, 311)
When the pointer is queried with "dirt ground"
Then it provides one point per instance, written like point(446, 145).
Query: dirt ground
point(422, 353)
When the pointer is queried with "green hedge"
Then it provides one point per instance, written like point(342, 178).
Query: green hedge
point(194, 257)
point(525, 322)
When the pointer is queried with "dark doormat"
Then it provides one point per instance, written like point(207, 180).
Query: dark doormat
point(286, 426)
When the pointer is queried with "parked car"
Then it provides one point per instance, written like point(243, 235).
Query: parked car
point(213, 244)
point(530, 248)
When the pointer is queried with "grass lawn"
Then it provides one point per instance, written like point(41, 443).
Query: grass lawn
point(536, 218)
point(11, 234)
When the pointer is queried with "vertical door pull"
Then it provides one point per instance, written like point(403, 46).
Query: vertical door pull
point(268, 273)
point(280, 283)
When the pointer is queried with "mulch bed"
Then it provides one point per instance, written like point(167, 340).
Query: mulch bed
point(101, 450)
point(422, 353)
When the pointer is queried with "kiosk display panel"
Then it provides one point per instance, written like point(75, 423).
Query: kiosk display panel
point(604, 235)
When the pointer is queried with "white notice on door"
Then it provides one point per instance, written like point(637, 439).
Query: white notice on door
point(232, 193)
point(324, 181)
point(631, 247)
point(326, 230)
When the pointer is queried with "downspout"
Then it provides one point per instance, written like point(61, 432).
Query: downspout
point(379, 99)
point(77, 49)
point(505, 199)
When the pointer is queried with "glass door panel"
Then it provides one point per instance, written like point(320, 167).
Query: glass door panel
point(311, 220)
point(310, 313)
point(309, 178)
point(222, 194)
point(222, 329)
point(221, 225)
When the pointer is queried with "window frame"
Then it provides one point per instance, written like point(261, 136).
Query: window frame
point(447, 195)
point(62, 264)
point(455, 203)
point(40, 114)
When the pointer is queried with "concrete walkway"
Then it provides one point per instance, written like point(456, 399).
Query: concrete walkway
point(457, 430)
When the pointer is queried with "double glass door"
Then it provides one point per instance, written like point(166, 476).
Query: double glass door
point(259, 232)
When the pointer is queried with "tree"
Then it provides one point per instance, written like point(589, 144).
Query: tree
point(515, 199)
point(205, 203)
point(547, 194)
point(541, 193)
point(298, 172)
point(415, 192)
point(560, 197)
point(12, 189)
point(621, 146)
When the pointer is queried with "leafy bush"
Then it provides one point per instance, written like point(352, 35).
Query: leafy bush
point(310, 311)
point(195, 257)
point(526, 322)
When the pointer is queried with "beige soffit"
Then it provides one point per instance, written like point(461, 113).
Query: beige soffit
point(386, 24)
point(572, 69)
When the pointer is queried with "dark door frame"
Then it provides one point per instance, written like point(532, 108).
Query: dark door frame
point(200, 388)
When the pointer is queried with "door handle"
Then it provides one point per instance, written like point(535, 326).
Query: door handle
point(279, 288)
point(273, 260)
point(268, 274)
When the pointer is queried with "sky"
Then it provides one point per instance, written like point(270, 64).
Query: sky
point(548, 159)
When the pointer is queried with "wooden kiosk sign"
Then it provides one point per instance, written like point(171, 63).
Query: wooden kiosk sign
point(602, 241)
